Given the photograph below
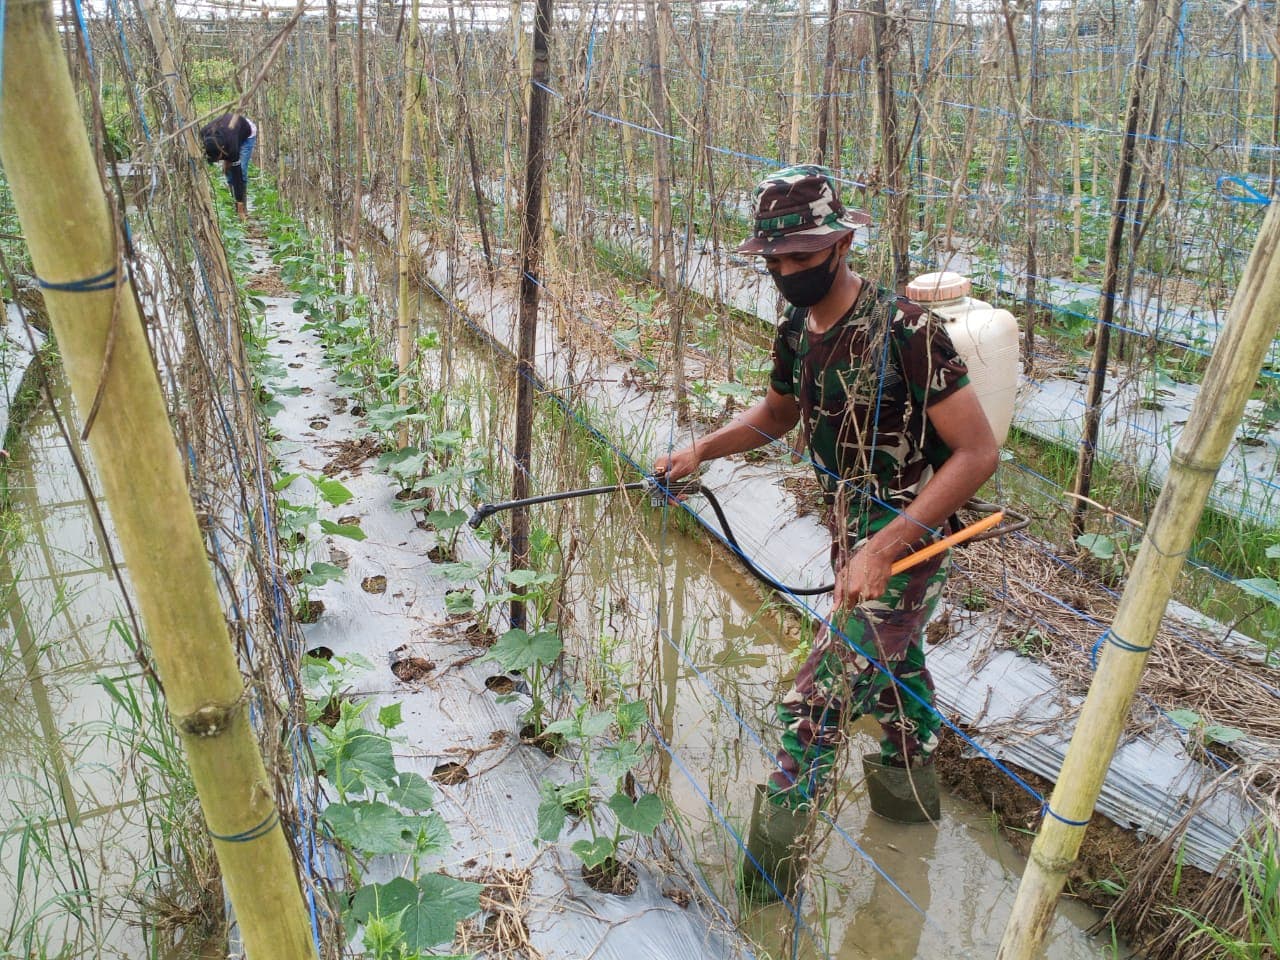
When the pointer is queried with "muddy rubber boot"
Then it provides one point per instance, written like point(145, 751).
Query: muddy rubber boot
point(901, 794)
point(775, 844)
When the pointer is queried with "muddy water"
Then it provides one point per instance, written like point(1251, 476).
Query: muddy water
point(657, 612)
point(73, 826)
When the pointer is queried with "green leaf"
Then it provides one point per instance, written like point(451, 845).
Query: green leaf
point(412, 790)
point(362, 758)
point(1263, 587)
point(333, 492)
point(371, 826)
point(641, 817)
point(632, 716)
point(460, 571)
point(403, 463)
point(1101, 546)
point(446, 519)
point(388, 416)
point(429, 910)
point(1220, 734)
point(1185, 718)
point(614, 760)
point(551, 815)
point(349, 530)
point(739, 391)
point(528, 578)
point(321, 573)
point(592, 853)
point(389, 716)
point(284, 481)
point(594, 724)
point(566, 727)
point(518, 650)
point(457, 603)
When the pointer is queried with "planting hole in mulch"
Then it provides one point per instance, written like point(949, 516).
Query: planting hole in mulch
point(450, 774)
point(297, 540)
point(338, 404)
point(500, 930)
point(306, 391)
point(612, 877)
point(309, 612)
point(357, 411)
point(319, 423)
point(296, 366)
point(283, 340)
point(422, 494)
point(548, 743)
point(320, 653)
point(331, 713)
point(499, 684)
point(351, 521)
point(410, 669)
point(295, 576)
point(375, 584)
point(442, 554)
point(480, 635)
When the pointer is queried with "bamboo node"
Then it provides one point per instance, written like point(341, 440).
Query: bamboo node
point(210, 720)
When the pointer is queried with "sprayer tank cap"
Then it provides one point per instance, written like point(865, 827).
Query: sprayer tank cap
point(935, 287)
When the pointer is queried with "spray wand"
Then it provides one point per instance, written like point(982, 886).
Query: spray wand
point(661, 490)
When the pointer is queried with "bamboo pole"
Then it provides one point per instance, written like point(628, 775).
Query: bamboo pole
point(799, 64)
point(404, 318)
point(1232, 372)
point(71, 237)
point(530, 258)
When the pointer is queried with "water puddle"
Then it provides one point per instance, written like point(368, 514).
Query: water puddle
point(79, 797)
point(667, 618)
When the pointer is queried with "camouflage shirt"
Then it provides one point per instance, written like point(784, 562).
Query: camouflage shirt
point(863, 388)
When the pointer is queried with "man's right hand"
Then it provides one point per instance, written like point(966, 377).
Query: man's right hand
point(677, 464)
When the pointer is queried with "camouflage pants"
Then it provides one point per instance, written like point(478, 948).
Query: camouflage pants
point(838, 684)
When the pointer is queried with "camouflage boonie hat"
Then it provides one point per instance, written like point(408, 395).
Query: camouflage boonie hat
point(798, 210)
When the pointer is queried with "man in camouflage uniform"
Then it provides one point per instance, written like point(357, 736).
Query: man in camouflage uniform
point(898, 441)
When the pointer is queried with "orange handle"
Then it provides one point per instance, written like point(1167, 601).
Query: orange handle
point(960, 536)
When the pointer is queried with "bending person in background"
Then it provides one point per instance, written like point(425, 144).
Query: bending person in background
point(231, 139)
point(899, 442)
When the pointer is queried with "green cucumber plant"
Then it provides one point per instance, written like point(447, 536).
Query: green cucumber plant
point(605, 767)
point(377, 810)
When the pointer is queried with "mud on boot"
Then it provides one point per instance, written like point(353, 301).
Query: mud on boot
point(902, 794)
point(775, 850)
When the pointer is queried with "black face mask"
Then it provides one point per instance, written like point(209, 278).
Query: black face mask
point(806, 287)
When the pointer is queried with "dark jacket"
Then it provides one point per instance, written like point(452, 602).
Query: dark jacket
point(222, 139)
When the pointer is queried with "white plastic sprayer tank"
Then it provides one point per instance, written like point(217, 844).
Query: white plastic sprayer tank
point(986, 337)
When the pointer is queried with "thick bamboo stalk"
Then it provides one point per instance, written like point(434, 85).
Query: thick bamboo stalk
point(1232, 372)
point(71, 237)
point(799, 61)
point(530, 260)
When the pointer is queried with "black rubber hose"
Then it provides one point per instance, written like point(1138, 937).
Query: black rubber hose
point(750, 564)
